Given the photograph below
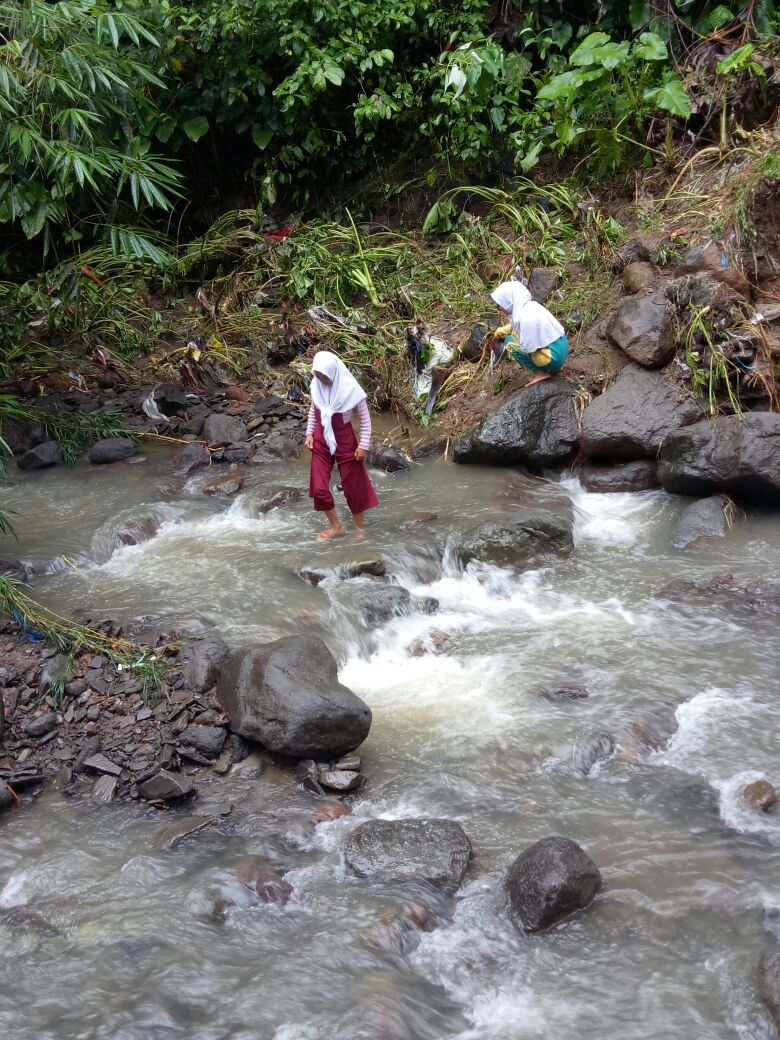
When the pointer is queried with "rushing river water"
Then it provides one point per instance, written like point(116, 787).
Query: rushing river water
point(121, 949)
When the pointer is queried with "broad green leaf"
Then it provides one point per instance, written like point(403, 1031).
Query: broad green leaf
point(531, 157)
point(651, 47)
point(165, 130)
point(610, 148)
point(737, 60)
point(558, 87)
point(333, 73)
point(261, 136)
point(582, 54)
point(639, 13)
point(671, 97)
point(720, 16)
point(32, 222)
point(196, 127)
point(497, 117)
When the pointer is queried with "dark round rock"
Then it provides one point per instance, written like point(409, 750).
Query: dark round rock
point(549, 881)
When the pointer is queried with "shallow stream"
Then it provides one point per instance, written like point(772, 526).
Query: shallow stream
point(116, 945)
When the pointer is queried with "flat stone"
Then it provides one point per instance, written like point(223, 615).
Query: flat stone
point(340, 779)
point(42, 725)
point(165, 786)
point(104, 789)
point(434, 851)
point(101, 764)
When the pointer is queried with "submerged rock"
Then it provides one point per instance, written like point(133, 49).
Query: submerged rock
point(707, 518)
point(769, 983)
point(759, 795)
point(277, 496)
point(736, 455)
point(564, 692)
point(377, 604)
point(590, 750)
point(633, 416)
point(624, 477)
point(549, 881)
point(434, 851)
point(643, 328)
point(112, 449)
point(532, 538)
point(729, 597)
point(535, 427)
point(229, 483)
point(286, 695)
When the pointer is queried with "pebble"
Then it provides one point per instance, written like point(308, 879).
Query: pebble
point(101, 764)
point(759, 795)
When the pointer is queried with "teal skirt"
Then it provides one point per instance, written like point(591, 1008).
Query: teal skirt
point(549, 359)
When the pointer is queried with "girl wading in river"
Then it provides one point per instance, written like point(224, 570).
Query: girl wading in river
point(533, 337)
point(335, 396)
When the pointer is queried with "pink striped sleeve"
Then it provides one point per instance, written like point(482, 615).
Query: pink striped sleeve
point(310, 422)
point(365, 425)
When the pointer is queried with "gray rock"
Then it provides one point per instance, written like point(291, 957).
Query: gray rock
point(640, 248)
point(627, 476)
point(737, 456)
point(308, 776)
point(542, 281)
point(208, 741)
point(104, 788)
point(224, 429)
point(378, 604)
point(638, 276)
point(706, 518)
point(564, 692)
point(24, 435)
point(372, 568)
point(313, 575)
point(426, 604)
point(56, 671)
point(643, 327)
point(277, 496)
point(535, 427)
point(286, 695)
point(165, 786)
point(434, 851)
point(588, 751)
point(190, 459)
point(40, 457)
point(531, 538)
point(101, 764)
point(631, 419)
point(112, 449)
point(340, 779)
point(769, 982)
point(42, 725)
point(549, 881)
point(199, 661)
point(390, 459)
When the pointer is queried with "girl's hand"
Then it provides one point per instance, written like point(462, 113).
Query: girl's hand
point(309, 442)
point(360, 454)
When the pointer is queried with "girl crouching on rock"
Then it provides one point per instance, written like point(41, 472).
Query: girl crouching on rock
point(533, 337)
point(335, 396)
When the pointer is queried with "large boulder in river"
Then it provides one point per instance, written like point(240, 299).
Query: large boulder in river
point(112, 449)
point(532, 537)
point(535, 427)
point(287, 696)
point(437, 852)
point(643, 328)
point(769, 982)
point(549, 881)
point(707, 518)
point(23, 435)
point(622, 477)
point(224, 429)
point(736, 455)
point(630, 419)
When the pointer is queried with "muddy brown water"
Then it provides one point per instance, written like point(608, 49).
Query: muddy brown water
point(105, 933)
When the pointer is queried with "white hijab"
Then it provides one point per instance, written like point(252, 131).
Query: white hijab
point(343, 395)
point(533, 323)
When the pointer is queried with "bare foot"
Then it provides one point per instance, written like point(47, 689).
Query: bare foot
point(538, 378)
point(332, 532)
point(359, 534)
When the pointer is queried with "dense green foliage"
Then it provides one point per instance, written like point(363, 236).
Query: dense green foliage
point(111, 109)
